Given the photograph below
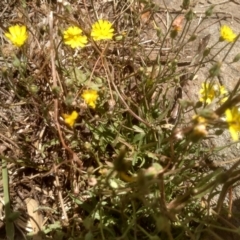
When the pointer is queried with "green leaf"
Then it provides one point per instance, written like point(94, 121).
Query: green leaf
point(13, 216)
point(113, 183)
point(79, 76)
point(88, 222)
point(89, 236)
point(138, 137)
point(51, 227)
point(138, 129)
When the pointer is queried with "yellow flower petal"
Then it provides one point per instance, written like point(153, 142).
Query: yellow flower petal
point(227, 34)
point(17, 35)
point(74, 38)
point(207, 93)
point(233, 120)
point(90, 96)
point(198, 119)
point(199, 131)
point(102, 30)
point(234, 133)
point(223, 93)
point(70, 119)
point(210, 91)
point(228, 113)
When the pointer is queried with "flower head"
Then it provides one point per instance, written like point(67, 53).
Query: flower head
point(73, 37)
point(233, 120)
point(102, 30)
point(177, 23)
point(199, 128)
point(207, 92)
point(17, 35)
point(90, 96)
point(70, 119)
point(210, 91)
point(197, 119)
point(199, 131)
point(227, 34)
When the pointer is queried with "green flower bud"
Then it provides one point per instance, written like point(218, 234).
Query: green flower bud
point(209, 11)
point(33, 88)
point(215, 70)
point(16, 62)
point(206, 52)
point(190, 15)
point(236, 58)
point(185, 4)
point(173, 34)
point(192, 38)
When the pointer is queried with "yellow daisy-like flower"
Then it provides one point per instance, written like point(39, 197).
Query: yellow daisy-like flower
point(17, 35)
point(102, 30)
point(73, 37)
point(70, 119)
point(227, 34)
point(233, 120)
point(90, 96)
point(210, 91)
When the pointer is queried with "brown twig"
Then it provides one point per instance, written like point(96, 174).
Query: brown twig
point(52, 49)
point(230, 202)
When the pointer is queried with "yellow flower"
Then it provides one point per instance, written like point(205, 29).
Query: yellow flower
point(73, 37)
point(177, 23)
point(210, 91)
point(233, 120)
point(207, 92)
point(223, 92)
point(102, 30)
point(227, 34)
point(199, 120)
point(70, 118)
point(17, 35)
point(90, 96)
point(199, 131)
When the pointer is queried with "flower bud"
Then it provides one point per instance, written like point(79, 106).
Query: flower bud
point(215, 70)
point(185, 4)
point(209, 11)
point(199, 131)
point(190, 15)
point(173, 33)
point(33, 88)
point(236, 58)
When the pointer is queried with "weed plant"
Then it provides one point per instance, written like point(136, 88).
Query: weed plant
point(97, 130)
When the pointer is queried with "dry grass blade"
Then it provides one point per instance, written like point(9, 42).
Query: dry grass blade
point(36, 217)
point(10, 232)
point(56, 105)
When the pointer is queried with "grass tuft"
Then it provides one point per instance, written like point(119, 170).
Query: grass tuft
point(100, 129)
